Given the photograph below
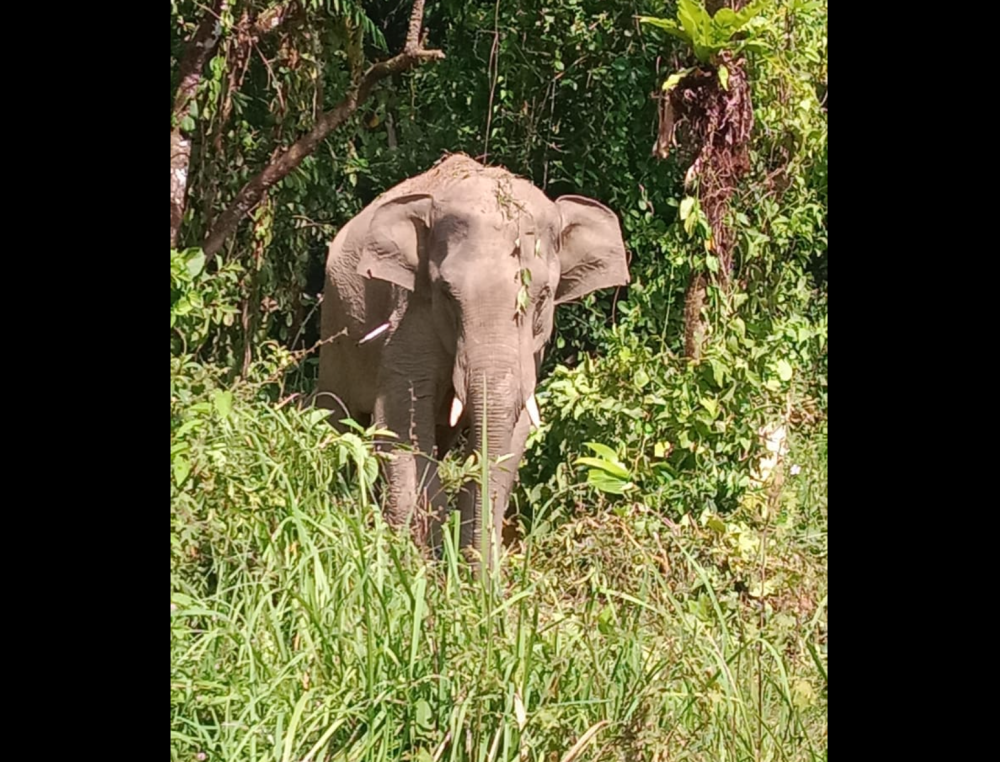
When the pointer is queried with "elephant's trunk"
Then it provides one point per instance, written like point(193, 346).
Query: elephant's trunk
point(495, 400)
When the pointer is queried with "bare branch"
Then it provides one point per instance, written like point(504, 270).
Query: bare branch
point(250, 195)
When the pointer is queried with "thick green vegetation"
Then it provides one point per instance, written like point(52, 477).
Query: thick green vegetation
point(666, 599)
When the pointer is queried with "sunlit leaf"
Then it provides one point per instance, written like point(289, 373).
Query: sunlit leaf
point(223, 401)
point(608, 466)
point(784, 369)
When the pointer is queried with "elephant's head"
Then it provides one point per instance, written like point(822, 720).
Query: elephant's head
point(494, 256)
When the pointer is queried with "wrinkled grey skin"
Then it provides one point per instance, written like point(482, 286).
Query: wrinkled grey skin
point(439, 258)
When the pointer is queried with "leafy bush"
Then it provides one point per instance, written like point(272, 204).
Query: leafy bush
point(200, 303)
point(708, 35)
point(688, 435)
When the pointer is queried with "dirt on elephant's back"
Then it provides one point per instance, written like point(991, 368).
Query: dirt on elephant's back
point(452, 168)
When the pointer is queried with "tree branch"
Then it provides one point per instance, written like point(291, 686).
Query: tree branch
point(205, 38)
point(200, 48)
point(250, 195)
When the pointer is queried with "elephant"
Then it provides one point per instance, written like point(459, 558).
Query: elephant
point(438, 303)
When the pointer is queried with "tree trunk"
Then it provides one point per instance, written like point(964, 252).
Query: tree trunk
point(694, 320)
point(196, 54)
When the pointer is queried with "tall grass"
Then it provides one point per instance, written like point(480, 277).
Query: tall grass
point(303, 629)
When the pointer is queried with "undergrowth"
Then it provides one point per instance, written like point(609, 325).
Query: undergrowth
point(302, 629)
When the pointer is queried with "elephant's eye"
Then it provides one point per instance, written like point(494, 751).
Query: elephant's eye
point(540, 303)
point(447, 290)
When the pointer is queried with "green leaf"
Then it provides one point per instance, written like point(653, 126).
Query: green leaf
point(802, 695)
point(607, 483)
point(422, 714)
point(749, 13)
point(667, 25)
point(196, 263)
point(716, 524)
point(724, 77)
point(603, 450)
point(724, 17)
point(687, 206)
point(223, 401)
point(711, 405)
point(181, 470)
point(606, 619)
point(312, 417)
point(522, 299)
point(675, 79)
point(641, 378)
point(718, 372)
point(784, 370)
point(661, 449)
point(690, 223)
point(712, 263)
point(692, 17)
point(610, 467)
point(704, 52)
point(186, 427)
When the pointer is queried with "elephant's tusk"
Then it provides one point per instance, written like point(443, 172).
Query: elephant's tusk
point(456, 411)
point(532, 407)
point(374, 334)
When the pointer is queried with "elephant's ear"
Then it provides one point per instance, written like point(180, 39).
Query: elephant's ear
point(392, 244)
point(591, 251)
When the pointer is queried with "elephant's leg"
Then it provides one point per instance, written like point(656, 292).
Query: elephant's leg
point(414, 494)
point(332, 390)
point(406, 405)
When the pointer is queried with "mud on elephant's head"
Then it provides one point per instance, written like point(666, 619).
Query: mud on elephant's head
point(495, 256)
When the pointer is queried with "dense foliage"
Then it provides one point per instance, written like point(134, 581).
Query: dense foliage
point(301, 629)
